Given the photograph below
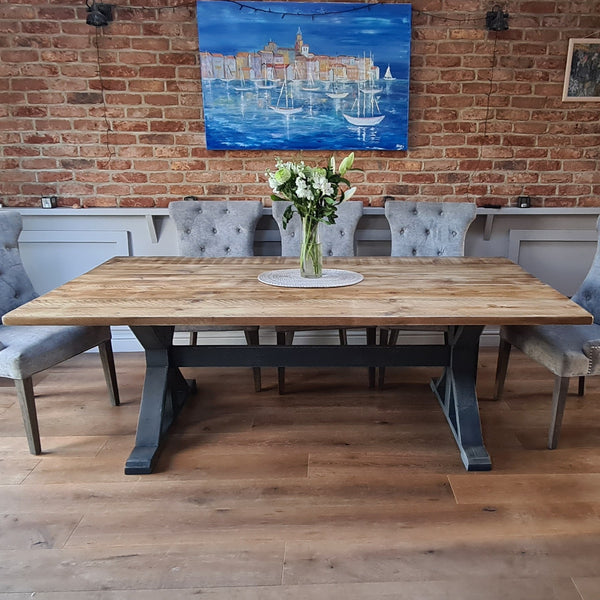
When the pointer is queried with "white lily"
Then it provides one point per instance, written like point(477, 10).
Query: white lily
point(346, 163)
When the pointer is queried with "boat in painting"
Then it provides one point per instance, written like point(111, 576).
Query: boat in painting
point(388, 74)
point(285, 101)
point(367, 110)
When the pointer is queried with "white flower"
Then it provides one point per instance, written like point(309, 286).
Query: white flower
point(302, 189)
point(321, 184)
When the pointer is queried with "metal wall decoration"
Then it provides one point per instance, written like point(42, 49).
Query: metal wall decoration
point(582, 74)
point(305, 76)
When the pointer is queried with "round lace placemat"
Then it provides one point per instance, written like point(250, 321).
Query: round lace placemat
point(292, 278)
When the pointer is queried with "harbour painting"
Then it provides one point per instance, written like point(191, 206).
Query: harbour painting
point(304, 76)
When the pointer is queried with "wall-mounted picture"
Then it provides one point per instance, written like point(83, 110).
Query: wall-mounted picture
point(582, 74)
point(304, 76)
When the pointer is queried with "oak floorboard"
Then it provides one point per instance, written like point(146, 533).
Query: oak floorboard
point(588, 587)
point(372, 560)
point(526, 488)
point(330, 491)
point(472, 588)
point(82, 570)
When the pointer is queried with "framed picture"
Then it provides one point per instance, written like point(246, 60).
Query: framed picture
point(582, 74)
point(304, 75)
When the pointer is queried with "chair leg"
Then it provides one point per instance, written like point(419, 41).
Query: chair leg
point(389, 338)
point(281, 341)
point(559, 398)
point(27, 403)
point(501, 368)
point(110, 375)
point(372, 341)
point(383, 341)
point(581, 386)
point(252, 339)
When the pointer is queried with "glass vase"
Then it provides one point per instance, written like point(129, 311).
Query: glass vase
point(311, 257)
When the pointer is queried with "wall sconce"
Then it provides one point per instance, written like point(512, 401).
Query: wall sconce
point(99, 15)
point(496, 19)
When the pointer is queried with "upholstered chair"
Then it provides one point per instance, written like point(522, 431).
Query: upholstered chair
point(425, 229)
point(565, 350)
point(213, 229)
point(336, 240)
point(27, 350)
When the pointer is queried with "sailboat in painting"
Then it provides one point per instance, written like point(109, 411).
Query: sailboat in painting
point(388, 74)
point(367, 110)
point(285, 101)
point(241, 86)
point(336, 93)
point(265, 83)
point(310, 86)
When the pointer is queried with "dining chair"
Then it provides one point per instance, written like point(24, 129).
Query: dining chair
point(567, 351)
point(27, 350)
point(338, 239)
point(214, 229)
point(424, 229)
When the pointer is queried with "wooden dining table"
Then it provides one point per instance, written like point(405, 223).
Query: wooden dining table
point(152, 295)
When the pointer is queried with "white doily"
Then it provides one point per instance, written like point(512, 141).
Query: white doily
point(292, 278)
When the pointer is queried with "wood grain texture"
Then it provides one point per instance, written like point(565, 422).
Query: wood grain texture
point(395, 291)
point(333, 491)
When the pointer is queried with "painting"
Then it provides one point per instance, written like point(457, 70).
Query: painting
point(304, 76)
point(582, 74)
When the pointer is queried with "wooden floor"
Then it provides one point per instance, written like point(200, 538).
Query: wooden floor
point(332, 491)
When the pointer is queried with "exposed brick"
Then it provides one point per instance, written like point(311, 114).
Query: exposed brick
point(474, 131)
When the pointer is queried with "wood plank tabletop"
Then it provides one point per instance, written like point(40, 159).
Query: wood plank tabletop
point(226, 291)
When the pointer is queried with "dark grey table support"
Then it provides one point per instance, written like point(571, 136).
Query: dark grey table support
point(455, 390)
point(165, 389)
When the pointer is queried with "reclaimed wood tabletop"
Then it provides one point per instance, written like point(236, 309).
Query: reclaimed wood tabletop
point(226, 291)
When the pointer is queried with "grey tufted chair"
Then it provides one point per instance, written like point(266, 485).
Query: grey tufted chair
point(565, 350)
point(425, 229)
point(336, 240)
point(25, 351)
point(213, 229)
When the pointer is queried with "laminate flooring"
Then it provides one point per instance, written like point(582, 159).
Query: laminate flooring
point(332, 491)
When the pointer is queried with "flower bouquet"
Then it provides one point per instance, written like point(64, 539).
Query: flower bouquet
point(314, 193)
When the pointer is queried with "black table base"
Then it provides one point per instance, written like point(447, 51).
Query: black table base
point(165, 389)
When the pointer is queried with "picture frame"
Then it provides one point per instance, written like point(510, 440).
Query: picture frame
point(582, 72)
point(304, 75)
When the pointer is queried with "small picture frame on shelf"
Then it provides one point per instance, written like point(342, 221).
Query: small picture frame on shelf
point(49, 201)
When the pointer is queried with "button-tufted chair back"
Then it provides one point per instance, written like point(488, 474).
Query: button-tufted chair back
point(429, 228)
point(336, 240)
point(15, 286)
point(212, 229)
point(588, 294)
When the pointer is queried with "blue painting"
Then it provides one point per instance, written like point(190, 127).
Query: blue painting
point(304, 76)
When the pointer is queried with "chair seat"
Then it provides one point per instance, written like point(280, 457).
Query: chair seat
point(29, 350)
point(557, 347)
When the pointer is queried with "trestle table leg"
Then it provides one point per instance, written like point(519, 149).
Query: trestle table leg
point(455, 390)
point(165, 392)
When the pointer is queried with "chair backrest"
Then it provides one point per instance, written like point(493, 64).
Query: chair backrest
point(213, 228)
point(15, 285)
point(336, 239)
point(588, 294)
point(429, 228)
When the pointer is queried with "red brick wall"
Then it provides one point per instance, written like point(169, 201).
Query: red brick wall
point(54, 120)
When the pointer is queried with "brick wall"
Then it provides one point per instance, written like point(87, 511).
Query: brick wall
point(477, 133)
